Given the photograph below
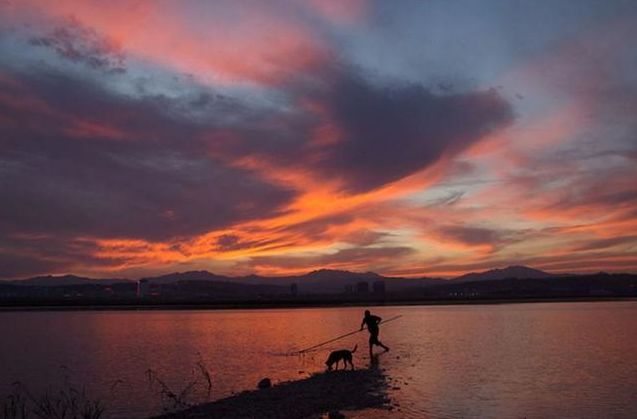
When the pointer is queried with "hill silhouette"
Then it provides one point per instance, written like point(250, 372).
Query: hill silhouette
point(510, 272)
point(317, 281)
point(317, 287)
point(64, 280)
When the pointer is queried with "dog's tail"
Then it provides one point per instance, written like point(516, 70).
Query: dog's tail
point(355, 347)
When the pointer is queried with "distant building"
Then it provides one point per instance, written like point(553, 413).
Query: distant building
point(362, 287)
point(294, 290)
point(379, 287)
point(349, 289)
point(143, 288)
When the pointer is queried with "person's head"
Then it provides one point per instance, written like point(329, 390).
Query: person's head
point(367, 313)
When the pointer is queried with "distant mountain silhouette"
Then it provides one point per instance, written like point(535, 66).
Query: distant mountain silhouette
point(511, 272)
point(514, 282)
point(315, 282)
point(326, 274)
point(64, 280)
point(328, 280)
point(325, 281)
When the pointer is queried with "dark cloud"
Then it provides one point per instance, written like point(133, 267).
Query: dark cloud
point(481, 236)
point(76, 43)
point(318, 227)
point(15, 266)
point(590, 191)
point(228, 242)
point(23, 255)
point(391, 130)
point(231, 242)
point(470, 235)
point(366, 237)
point(607, 243)
point(386, 130)
point(79, 160)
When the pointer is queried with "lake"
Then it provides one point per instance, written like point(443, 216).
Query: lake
point(566, 360)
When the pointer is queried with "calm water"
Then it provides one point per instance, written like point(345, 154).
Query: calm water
point(570, 360)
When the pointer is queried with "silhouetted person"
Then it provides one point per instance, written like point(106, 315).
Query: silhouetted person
point(372, 326)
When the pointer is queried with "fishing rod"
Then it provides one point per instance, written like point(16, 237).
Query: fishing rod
point(302, 351)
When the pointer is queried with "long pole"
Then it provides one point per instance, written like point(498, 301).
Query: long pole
point(341, 337)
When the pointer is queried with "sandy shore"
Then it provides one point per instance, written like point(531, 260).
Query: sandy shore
point(308, 398)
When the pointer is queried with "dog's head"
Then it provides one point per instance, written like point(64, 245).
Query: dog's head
point(331, 360)
point(329, 363)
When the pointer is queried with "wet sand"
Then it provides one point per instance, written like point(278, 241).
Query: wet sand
point(308, 398)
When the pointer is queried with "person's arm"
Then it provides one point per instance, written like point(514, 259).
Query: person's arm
point(362, 324)
point(377, 319)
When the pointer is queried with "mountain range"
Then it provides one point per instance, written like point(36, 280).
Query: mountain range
point(318, 281)
point(194, 287)
point(63, 280)
point(511, 272)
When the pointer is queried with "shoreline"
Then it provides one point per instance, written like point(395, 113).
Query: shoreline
point(260, 305)
point(343, 390)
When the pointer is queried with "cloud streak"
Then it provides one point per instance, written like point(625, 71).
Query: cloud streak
point(79, 44)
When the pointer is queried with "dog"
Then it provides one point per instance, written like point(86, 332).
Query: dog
point(344, 355)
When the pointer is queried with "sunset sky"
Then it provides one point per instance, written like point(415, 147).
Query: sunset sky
point(410, 138)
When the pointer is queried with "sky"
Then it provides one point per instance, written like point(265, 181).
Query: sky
point(408, 138)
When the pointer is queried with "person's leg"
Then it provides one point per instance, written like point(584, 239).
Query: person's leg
point(379, 343)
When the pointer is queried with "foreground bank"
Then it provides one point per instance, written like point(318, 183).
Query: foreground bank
point(319, 394)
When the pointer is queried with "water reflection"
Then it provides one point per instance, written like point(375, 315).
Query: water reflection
point(533, 360)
